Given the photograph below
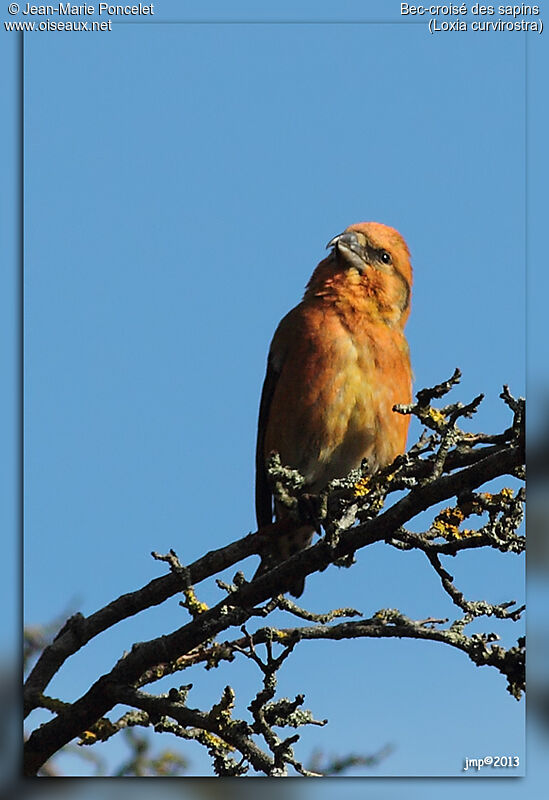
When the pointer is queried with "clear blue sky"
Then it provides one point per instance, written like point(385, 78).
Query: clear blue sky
point(181, 182)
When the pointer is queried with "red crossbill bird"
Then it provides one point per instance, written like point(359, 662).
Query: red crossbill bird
point(338, 363)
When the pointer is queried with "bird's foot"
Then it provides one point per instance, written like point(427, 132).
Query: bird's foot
point(310, 511)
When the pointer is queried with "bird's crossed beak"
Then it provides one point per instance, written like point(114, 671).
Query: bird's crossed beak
point(348, 245)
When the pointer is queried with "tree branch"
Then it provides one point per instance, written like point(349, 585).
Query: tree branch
point(448, 463)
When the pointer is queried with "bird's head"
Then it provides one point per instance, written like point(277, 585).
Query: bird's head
point(368, 262)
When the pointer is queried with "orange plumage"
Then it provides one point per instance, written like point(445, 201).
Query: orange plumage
point(338, 363)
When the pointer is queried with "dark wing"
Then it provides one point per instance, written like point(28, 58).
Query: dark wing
point(263, 493)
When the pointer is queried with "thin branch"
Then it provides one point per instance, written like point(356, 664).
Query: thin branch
point(391, 623)
point(229, 732)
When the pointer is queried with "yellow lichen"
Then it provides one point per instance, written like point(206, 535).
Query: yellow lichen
point(88, 737)
point(363, 486)
point(437, 416)
point(216, 741)
point(377, 505)
point(463, 534)
point(193, 604)
point(102, 730)
point(447, 522)
point(488, 501)
point(280, 636)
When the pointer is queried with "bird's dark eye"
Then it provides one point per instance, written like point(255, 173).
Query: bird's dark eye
point(386, 257)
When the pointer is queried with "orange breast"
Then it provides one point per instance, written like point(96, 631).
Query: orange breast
point(340, 376)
